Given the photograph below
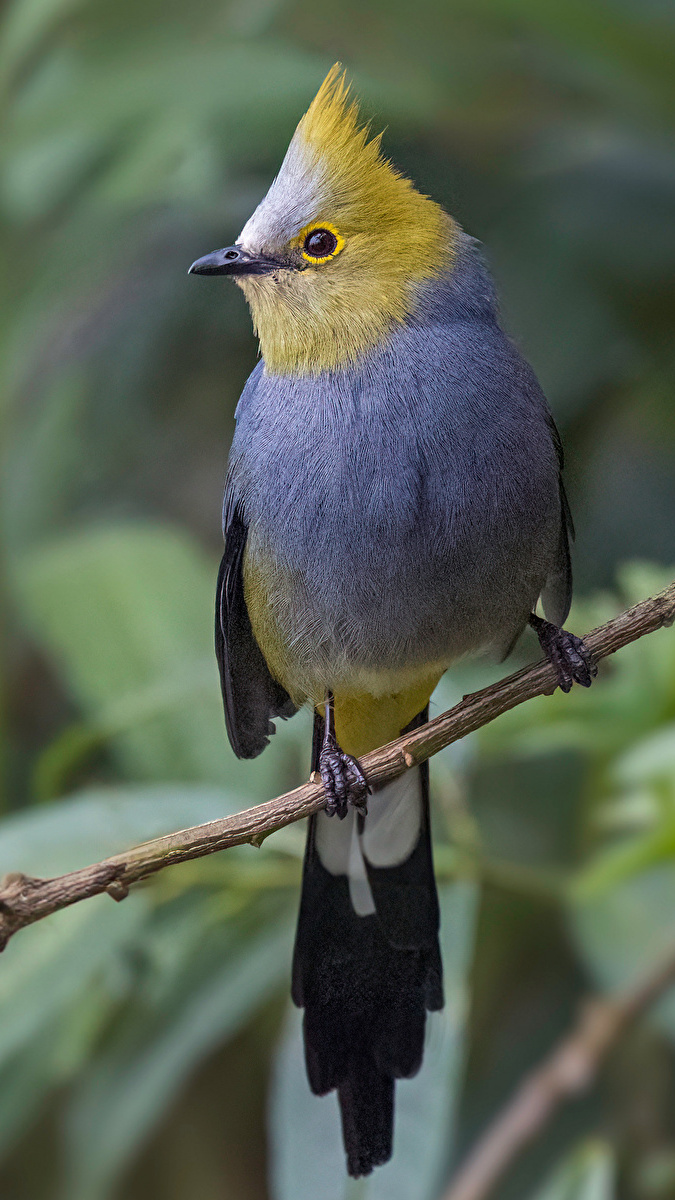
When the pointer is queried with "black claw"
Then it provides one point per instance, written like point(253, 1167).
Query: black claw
point(344, 783)
point(566, 652)
point(359, 785)
point(343, 780)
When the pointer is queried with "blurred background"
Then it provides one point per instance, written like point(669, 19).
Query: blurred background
point(148, 1048)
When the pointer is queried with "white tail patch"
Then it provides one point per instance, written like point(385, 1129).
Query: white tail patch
point(393, 823)
point(389, 837)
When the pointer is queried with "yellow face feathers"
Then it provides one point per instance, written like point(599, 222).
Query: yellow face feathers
point(355, 237)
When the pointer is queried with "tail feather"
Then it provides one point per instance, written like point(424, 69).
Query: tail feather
point(367, 1108)
point(366, 971)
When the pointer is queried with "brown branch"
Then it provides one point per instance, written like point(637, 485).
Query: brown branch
point(569, 1070)
point(24, 900)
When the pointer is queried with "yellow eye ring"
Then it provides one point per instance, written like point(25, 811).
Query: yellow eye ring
point(327, 242)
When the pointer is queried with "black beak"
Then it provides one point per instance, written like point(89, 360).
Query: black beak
point(233, 260)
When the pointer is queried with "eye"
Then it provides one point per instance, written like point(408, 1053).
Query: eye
point(321, 244)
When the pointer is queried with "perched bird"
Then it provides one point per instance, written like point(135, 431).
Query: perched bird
point(393, 502)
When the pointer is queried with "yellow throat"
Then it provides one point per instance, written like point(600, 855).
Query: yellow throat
point(327, 311)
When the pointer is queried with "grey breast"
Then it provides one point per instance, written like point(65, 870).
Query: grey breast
point(409, 503)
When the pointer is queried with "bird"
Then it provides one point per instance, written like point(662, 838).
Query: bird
point(393, 502)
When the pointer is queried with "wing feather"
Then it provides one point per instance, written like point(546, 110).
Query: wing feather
point(557, 593)
point(251, 696)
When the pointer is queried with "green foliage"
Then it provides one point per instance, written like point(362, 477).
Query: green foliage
point(587, 1174)
point(136, 138)
point(124, 1091)
point(127, 613)
point(125, 1000)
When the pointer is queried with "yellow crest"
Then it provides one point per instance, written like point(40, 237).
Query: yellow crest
point(382, 239)
point(331, 129)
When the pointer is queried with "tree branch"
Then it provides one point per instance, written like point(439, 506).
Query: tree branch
point(570, 1069)
point(24, 900)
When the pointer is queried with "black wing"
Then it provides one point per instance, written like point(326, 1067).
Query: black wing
point(250, 695)
point(557, 594)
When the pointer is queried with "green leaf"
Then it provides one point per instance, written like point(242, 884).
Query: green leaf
point(308, 1157)
point(25, 1082)
point(63, 978)
point(54, 1054)
point(127, 614)
point(652, 759)
point(125, 1093)
point(104, 821)
point(48, 966)
point(125, 608)
point(588, 1173)
point(60, 978)
point(25, 24)
point(624, 931)
point(628, 856)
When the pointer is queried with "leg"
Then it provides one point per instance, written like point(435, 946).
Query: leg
point(343, 780)
point(566, 652)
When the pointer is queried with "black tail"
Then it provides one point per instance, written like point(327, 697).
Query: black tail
point(367, 981)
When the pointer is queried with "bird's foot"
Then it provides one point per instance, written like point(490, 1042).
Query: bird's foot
point(343, 780)
point(569, 655)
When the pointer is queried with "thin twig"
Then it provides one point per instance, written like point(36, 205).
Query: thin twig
point(24, 900)
point(569, 1070)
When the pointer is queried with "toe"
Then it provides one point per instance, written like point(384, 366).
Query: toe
point(334, 782)
point(569, 656)
point(355, 773)
point(582, 667)
point(565, 681)
point(559, 661)
point(328, 780)
point(344, 783)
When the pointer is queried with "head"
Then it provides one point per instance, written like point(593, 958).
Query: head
point(335, 253)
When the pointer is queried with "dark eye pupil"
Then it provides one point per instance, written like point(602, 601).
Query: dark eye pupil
point(320, 243)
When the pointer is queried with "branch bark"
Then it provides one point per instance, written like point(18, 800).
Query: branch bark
point(24, 900)
point(569, 1070)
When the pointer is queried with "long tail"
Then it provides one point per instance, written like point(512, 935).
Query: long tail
point(367, 964)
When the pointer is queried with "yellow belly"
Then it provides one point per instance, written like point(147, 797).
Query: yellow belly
point(364, 721)
point(259, 589)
